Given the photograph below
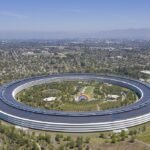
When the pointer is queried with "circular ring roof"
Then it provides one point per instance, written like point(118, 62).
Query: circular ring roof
point(9, 91)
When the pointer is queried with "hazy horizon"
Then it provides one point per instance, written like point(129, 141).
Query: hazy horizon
point(105, 34)
point(74, 19)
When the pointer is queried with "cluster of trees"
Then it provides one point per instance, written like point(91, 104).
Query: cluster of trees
point(12, 139)
point(129, 136)
point(65, 93)
point(68, 142)
point(75, 58)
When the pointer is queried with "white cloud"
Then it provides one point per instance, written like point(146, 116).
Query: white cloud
point(12, 14)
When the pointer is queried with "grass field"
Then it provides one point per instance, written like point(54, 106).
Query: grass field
point(145, 136)
point(92, 105)
point(88, 90)
point(95, 142)
point(67, 94)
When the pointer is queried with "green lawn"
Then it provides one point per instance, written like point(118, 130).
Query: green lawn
point(82, 106)
point(65, 93)
point(145, 136)
point(89, 91)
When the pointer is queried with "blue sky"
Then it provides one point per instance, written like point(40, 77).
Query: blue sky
point(73, 15)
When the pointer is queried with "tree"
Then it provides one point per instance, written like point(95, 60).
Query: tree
point(62, 147)
point(57, 138)
point(34, 146)
point(132, 140)
point(79, 141)
point(123, 135)
point(113, 138)
point(87, 140)
point(47, 138)
point(87, 147)
point(131, 132)
point(71, 144)
point(101, 135)
point(68, 138)
point(144, 128)
point(134, 132)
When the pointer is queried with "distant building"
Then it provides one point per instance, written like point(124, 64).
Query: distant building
point(111, 97)
point(48, 99)
point(146, 72)
point(83, 97)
